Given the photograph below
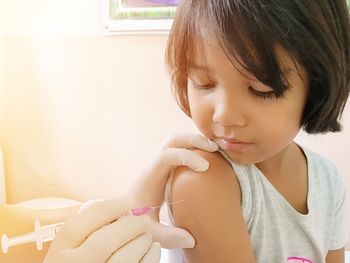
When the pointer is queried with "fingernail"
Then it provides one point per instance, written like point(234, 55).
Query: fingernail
point(189, 242)
point(213, 145)
point(202, 166)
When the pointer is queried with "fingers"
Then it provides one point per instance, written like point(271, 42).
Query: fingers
point(176, 153)
point(87, 204)
point(153, 254)
point(171, 237)
point(100, 213)
point(190, 140)
point(111, 238)
point(158, 173)
point(132, 251)
point(184, 157)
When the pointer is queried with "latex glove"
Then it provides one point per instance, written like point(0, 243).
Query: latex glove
point(92, 237)
point(149, 190)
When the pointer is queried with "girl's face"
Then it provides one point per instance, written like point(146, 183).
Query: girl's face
point(240, 113)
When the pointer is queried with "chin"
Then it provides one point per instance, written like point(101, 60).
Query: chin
point(242, 159)
point(238, 158)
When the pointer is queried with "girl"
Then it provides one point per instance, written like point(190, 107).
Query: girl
point(251, 74)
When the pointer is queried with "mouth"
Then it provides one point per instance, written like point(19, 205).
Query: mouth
point(232, 144)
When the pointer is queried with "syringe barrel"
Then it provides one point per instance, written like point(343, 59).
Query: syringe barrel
point(41, 235)
point(45, 233)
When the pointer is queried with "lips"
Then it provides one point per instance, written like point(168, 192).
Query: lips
point(232, 140)
point(232, 144)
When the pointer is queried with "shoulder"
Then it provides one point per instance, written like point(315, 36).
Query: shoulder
point(319, 162)
point(325, 170)
point(219, 177)
point(327, 180)
point(211, 212)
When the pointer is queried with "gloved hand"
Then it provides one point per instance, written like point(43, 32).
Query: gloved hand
point(149, 189)
point(100, 233)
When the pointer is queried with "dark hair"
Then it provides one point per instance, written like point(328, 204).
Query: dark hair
point(315, 34)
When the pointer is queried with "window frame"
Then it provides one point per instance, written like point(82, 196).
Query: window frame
point(114, 26)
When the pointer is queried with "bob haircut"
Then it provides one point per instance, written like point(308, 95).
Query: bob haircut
point(314, 33)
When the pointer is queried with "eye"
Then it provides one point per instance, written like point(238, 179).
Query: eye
point(261, 94)
point(203, 86)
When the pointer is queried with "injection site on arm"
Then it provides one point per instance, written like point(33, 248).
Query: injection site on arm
point(212, 212)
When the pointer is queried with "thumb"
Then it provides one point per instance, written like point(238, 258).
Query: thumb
point(171, 237)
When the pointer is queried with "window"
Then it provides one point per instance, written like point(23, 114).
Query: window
point(138, 16)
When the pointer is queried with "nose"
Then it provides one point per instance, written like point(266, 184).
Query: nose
point(229, 111)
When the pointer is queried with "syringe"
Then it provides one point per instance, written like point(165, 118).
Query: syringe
point(40, 235)
point(46, 233)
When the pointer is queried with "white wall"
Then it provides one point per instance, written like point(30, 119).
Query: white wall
point(75, 105)
point(49, 17)
point(81, 114)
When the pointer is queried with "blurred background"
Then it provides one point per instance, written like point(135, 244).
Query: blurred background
point(82, 113)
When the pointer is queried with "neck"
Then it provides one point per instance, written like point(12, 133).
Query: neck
point(281, 163)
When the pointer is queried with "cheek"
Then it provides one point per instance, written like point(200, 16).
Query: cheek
point(282, 123)
point(201, 113)
point(276, 134)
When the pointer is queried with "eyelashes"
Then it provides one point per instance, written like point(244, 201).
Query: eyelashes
point(262, 94)
point(203, 87)
point(252, 90)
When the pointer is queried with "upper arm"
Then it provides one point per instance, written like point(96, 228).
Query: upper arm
point(336, 256)
point(211, 212)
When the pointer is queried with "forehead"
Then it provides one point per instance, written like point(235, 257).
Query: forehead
point(207, 52)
